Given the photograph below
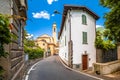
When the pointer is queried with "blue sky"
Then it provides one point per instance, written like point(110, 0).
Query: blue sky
point(40, 14)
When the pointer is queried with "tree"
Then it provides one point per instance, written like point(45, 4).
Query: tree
point(102, 41)
point(30, 48)
point(112, 19)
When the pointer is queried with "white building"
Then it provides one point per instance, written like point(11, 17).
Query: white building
point(79, 26)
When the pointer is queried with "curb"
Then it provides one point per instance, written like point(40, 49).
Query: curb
point(78, 71)
point(31, 66)
point(27, 75)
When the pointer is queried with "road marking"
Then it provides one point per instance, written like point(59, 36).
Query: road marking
point(27, 75)
point(79, 71)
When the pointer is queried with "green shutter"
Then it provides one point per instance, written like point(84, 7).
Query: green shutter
point(84, 20)
point(84, 37)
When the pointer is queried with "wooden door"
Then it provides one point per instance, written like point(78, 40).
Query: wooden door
point(84, 62)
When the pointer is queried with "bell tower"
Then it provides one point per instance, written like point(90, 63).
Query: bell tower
point(54, 31)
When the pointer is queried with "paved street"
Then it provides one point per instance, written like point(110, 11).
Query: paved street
point(52, 69)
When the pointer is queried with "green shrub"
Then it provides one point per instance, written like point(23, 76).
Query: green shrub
point(34, 53)
point(1, 70)
point(102, 42)
point(1, 73)
point(5, 35)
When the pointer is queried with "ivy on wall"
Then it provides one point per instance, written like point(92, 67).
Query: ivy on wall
point(5, 38)
point(5, 35)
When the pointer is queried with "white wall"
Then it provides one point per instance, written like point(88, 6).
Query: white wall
point(63, 50)
point(76, 34)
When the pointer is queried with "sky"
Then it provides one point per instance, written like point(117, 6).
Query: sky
point(41, 15)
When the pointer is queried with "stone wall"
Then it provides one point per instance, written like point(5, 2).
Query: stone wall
point(103, 56)
point(14, 63)
point(5, 6)
point(99, 55)
point(106, 68)
point(118, 50)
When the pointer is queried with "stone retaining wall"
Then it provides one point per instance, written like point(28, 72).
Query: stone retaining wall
point(106, 68)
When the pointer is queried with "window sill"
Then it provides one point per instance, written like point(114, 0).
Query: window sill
point(84, 24)
point(84, 43)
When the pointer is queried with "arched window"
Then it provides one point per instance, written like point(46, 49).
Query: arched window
point(43, 44)
point(84, 19)
point(54, 29)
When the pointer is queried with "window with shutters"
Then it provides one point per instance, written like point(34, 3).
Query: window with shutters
point(20, 34)
point(65, 40)
point(84, 20)
point(84, 38)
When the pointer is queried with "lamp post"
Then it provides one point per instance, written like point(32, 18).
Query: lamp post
point(70, 43)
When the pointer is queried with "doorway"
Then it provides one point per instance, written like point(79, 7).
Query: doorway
point(84, 61)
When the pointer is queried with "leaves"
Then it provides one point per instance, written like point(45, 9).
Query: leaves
point(112, 18)
point(1, 70)
point(30, 48)
point(5, 35)
point(102, 40)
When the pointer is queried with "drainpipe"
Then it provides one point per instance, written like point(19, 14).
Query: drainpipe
point(70, 44)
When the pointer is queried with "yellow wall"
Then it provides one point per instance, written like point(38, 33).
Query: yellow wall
point(46, 43)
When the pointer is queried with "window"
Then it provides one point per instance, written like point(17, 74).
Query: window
point(48, 48)
point(65, 27)
point(54, 29)
point(65, 40)
point(84, 37)
point(20, 34)
point(43, 44)
point(84, 20)
point(65, 55)
point(43, 40)
point(77, 66)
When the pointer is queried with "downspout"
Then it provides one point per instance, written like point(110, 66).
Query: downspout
point(70, 43)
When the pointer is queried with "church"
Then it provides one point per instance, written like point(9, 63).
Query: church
point(48, 43)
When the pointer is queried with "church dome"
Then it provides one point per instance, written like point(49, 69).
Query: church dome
point(45, 35)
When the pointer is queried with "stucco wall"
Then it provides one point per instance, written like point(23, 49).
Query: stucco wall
point(63, 49)
point(76, 34)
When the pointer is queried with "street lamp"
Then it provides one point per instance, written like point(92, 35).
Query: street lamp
point(56, 12)
point(70, 43)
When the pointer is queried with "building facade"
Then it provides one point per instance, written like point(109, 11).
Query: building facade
point(14, 63)
point(48, 43)
point(77, 36)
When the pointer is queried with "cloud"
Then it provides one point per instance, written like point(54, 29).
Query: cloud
point(53, 15)
point(29, 36)
point(43, 14)
point(99, 26)
point(51, 1)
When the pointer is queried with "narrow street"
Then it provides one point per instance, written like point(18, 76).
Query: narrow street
point(52, 69)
